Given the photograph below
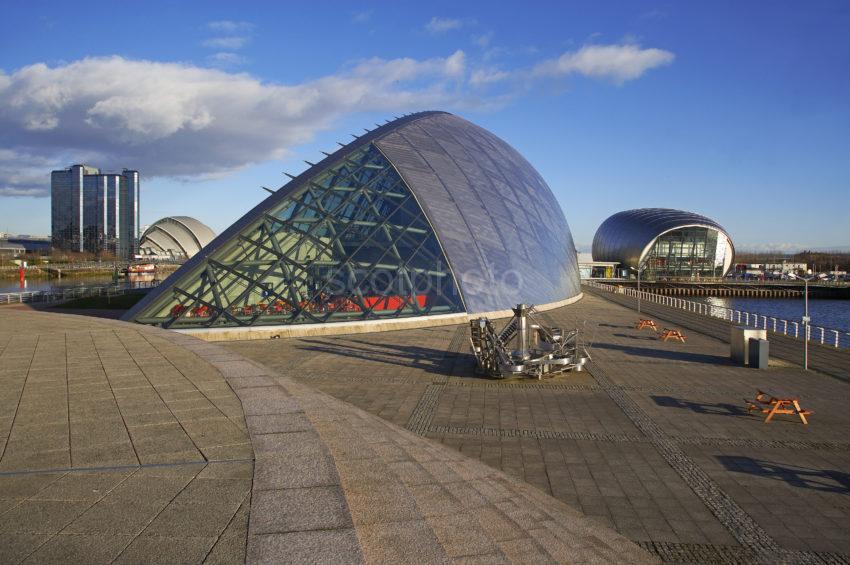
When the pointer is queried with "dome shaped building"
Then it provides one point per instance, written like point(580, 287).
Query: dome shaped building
point(426, 215)
point(174, 237)
point(665, 243)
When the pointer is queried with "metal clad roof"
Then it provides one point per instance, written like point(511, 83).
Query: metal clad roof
point(501, 228)
point(624, 236)
point(181, 235)
point(495, 216)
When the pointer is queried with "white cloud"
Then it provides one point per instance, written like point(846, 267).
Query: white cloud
point(455, 64)
point(481, 77)
point(230, 26)
point(181, 120)
point(442, 25)
point(233, 35)
point(24, 174)
point(173, 119)
point(226, 59)
point(618, 63)
point(229, 42)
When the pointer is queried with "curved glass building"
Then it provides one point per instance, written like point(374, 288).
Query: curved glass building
point(665, 243)
point(428, 214)
point(174, 237)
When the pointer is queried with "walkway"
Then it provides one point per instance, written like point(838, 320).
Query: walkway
point(127, 444)
point(653, 441)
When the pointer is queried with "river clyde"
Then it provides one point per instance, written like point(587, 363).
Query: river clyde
point(831, 314)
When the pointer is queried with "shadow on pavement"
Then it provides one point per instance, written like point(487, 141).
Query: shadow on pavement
point(824, 480)
point(666, 354)
point(646, 337)
point(424, 358)
point(715, 408)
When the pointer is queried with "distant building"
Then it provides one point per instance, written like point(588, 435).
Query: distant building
point(10, 249)
point(95, 212)
point(665, 243)
point(28, 243)
point(174, 238)
point(590, 269)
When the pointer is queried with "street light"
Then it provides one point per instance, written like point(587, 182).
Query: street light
point(806, 320)
point(638, 286)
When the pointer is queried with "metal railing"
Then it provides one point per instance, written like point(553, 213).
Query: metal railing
point(817, 334)
point(68, 293)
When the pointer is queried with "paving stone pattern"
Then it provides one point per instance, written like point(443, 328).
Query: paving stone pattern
point(678, 450)
point(159, 447)
point(112, 452)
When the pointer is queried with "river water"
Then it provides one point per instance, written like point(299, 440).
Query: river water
point(31, 285)
point(831, 314)
point(834, 314)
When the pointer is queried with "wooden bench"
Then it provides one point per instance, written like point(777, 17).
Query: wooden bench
point(772, 405)
point(668, 333)
point(643, 324)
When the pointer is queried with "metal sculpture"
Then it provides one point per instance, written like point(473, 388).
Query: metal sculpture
point(525, 347)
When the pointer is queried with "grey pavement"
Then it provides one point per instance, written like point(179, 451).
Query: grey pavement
point(124, 443)
point(653, 441)
point(112, 452)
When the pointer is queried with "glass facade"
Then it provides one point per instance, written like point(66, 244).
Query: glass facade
point(95, 212)
point(66, 208)
point(128, 243)
point(665, 243)
point(686, 252)
point(352, 243)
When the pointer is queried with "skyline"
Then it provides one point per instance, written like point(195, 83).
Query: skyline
point(734, 112)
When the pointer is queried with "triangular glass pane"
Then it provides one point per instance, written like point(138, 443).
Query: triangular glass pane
point(351, 243)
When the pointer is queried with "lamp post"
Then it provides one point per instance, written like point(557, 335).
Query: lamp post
point(638, 286)
point(806, 320)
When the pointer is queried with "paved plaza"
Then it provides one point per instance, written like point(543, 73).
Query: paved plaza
point(116, 446)
point(653, 441)
point(130, 444)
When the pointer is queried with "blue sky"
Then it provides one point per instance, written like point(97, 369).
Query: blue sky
point(737, 111)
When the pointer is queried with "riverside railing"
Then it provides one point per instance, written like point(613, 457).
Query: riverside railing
point(817, 334)
point(68, 293)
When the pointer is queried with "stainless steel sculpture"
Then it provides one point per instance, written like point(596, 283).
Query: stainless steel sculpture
point(525, 347)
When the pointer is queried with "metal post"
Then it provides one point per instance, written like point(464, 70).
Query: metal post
point(806, 328)
point(638, 288)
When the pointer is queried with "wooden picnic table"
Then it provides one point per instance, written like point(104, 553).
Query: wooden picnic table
point(773, 405)
point(668, 333)
point(643, 324)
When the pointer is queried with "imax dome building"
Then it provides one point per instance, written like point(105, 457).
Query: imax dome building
point(665, 243)
point(425, 216)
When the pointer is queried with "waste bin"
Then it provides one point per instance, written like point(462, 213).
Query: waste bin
point(739, 342)
point(758, 356)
